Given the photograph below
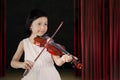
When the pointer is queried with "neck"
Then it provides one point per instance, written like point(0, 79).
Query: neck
point(32, 36)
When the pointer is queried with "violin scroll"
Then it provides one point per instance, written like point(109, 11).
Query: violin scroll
point(77, 63)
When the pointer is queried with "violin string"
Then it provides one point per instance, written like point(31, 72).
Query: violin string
point(60, 48)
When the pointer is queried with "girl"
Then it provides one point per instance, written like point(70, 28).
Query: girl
point(43, 68)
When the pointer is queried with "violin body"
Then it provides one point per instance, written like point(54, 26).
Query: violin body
point(49, 46)
point(55, 49)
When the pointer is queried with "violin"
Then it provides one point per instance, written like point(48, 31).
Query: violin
point(55, 49)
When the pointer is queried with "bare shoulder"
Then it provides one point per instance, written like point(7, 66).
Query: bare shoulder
point(21, 44)
point(20, 47)
point(19, 51)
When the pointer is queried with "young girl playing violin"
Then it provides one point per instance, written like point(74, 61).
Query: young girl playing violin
point(43, 68)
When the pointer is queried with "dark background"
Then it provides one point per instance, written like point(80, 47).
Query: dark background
point(57, 10)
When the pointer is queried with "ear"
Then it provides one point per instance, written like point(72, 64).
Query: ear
point(30, 28)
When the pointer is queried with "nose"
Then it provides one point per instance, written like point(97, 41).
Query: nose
point(41, 26)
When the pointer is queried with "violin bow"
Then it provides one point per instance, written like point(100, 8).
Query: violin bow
point(26, 71)
point(49, 39)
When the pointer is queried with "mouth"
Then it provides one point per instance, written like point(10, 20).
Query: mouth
point(40, 33)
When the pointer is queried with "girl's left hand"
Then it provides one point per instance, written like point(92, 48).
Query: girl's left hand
point(67, 58)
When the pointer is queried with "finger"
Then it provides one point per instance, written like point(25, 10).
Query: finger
point(68, 54)
point(69, 58)
point(30, 62)
point(75, 57)
point(63, 58)
point(27, 66)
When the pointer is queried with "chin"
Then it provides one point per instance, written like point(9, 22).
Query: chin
point(40, 34)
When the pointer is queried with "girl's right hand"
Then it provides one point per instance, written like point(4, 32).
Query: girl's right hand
point(27, 64)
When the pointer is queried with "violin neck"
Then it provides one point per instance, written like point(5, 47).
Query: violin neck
point(74, 61)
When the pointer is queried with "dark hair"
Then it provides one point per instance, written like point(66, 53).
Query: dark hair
point(34, 14)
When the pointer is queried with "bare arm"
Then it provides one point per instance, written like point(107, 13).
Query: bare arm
point(58, 60)
point(61, 60)
point(15, 63)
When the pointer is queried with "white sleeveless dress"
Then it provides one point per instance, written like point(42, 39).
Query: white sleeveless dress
point(43, 68)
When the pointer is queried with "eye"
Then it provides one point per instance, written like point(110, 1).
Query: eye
point(46, 24)
point(39, 23)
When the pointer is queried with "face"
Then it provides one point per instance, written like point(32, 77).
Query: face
point(39, 26)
